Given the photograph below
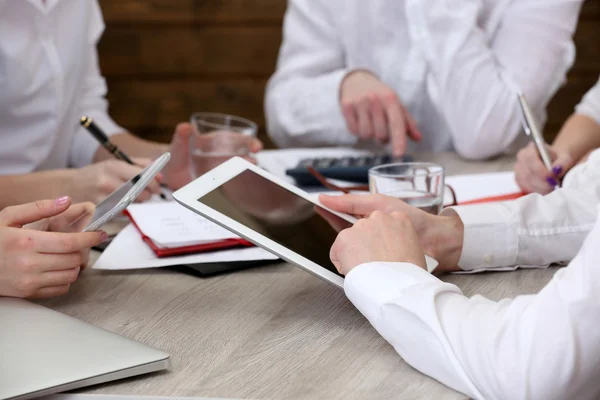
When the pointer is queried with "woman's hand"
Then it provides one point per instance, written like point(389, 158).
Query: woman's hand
point(41, 263)
point(533, 176)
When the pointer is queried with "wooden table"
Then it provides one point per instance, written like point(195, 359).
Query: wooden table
point(268, 332)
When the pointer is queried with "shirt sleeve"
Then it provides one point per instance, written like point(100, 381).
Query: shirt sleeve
point(534, 230)
point(590, 105)
point(532, 347)
point(93, 98)
point(302, 98)
point(462, 60)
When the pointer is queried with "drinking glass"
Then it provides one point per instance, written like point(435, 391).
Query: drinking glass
point(419, 184)
point(218, 137)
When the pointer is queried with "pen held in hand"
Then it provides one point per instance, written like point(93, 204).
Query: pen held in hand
point(103, 139)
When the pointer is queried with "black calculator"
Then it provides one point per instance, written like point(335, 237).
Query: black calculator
point(352, 169)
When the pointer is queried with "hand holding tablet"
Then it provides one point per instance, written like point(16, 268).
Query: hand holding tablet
point(270, 213)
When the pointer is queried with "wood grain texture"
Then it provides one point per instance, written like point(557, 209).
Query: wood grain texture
point(268, 332)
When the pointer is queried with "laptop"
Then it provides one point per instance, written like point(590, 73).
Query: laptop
point(44, 352)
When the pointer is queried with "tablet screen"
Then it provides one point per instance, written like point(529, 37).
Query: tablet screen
point(278, 214)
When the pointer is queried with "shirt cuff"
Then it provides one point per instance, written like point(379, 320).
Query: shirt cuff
point(84, 146)
point(371, 285)
point(490, 236)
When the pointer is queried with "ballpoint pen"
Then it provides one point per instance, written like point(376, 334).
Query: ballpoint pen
point(532, 129)
point(103, 139)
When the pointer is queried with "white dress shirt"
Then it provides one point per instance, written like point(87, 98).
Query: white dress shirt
point(456, 66)
point(544, 346)
point(590, 105)
point(49, 78)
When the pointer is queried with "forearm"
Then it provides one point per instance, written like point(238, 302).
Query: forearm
point(133, 147)
point(578, 136)
point(25, 188)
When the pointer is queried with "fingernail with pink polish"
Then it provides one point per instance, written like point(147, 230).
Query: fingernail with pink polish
point(61, 201)
point(104, 236)
point(557, 170)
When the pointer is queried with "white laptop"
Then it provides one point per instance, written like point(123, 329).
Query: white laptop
point(44, 352)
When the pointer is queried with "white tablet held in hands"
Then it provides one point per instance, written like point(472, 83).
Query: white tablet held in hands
point(120, 199)
point(271, 213)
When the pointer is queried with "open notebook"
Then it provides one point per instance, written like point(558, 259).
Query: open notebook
point(170, 229)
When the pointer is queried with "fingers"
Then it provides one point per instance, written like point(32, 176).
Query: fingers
point(562, 164)
point(380, 125)
point(59, 277)
point(48, 292)
point(63, 243)
point(255, 145)
point(80, 213)
point(48, 262)
point(531, 173)
point(351, 117)
point(396, 124)
point(17, 216)
point(412, 129)
point(354, 204)
point(363, 110)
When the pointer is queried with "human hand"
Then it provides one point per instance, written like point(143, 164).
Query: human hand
point(531, 173)
point(96, 181)
point(379, 237)
point(373, 111)
point(178, 172)
point(441, 237)
point(35, 263)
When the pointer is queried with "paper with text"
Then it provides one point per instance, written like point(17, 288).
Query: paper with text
point(479, 186)
point(169, 224)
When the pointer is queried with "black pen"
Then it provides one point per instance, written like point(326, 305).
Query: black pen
point(103, 139)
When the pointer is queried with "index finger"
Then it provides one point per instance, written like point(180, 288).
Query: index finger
point(396, 126)
point(60, 243)
point(355, 204)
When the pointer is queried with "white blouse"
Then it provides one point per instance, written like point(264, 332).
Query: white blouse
point(49, 78)
point(456, 65)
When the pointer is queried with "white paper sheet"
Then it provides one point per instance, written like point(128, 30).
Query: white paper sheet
point(128, 251)
point(169, 224)
point(478, 186)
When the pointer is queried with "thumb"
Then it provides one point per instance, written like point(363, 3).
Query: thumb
point(17, 216)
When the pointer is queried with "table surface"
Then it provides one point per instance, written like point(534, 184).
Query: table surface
point(268, 332)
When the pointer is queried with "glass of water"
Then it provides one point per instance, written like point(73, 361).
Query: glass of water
point(217, 138)
point(419, 184)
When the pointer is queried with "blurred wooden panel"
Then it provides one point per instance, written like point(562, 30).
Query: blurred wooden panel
point(212, 51)
point(165, 59)
point(153, 107)
point(197, 11)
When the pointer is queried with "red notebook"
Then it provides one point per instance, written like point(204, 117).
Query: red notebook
point(199, 248)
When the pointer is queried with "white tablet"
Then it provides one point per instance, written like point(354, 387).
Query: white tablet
point(120, 199)
point(270, 213)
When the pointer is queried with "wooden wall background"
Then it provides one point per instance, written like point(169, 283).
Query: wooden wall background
point(165, 59)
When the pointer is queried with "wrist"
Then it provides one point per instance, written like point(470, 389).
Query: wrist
point(443, 239)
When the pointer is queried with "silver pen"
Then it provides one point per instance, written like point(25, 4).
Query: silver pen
point(532, 129)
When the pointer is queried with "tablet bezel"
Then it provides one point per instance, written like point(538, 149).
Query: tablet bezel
point(189, 196)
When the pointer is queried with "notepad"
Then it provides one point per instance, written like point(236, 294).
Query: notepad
point(473, 188)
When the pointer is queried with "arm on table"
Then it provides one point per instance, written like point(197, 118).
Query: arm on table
point(461, 61)
point(536, 346)
point(302, 98)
